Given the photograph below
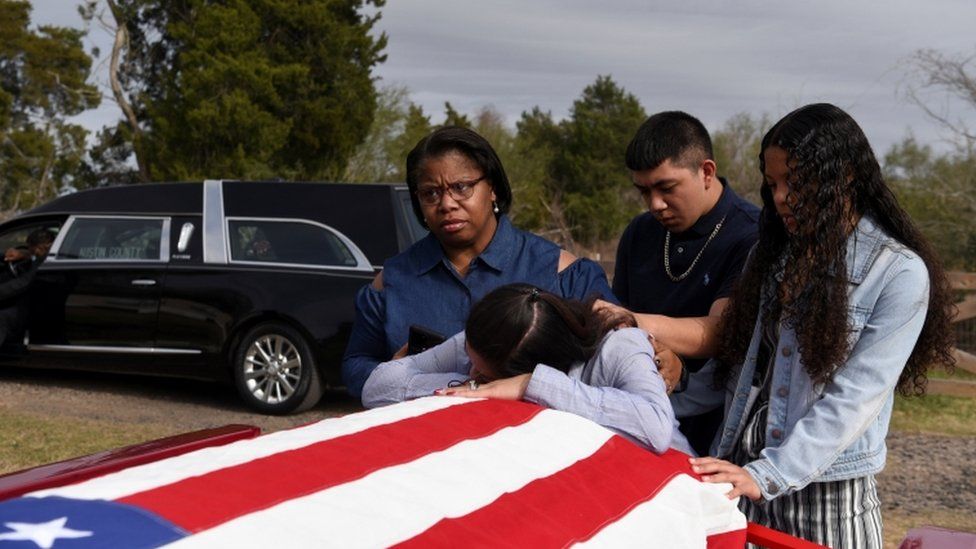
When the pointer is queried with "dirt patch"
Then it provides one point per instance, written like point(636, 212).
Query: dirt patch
point(929, 473)
point(177, 404)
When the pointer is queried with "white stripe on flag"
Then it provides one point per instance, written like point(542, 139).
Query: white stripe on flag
point(151, 475)
point(680, 515)
point(399, 502)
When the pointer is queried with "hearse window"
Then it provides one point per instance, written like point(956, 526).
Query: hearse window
point(112, 239)
point(296, 242)
point(417, 231)
point(17, 238)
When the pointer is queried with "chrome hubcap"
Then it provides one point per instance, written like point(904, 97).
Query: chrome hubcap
point(272, 368)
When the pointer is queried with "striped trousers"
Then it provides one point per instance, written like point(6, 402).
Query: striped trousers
point(839, 514)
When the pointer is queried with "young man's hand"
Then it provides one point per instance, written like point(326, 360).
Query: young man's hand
point(668, 364)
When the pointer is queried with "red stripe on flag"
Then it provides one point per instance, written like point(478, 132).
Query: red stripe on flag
point(679, 460)
point(205, 501)
point(765, 536)
point(734, 539)
point(568, 506)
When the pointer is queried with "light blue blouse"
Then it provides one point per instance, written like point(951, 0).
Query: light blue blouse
point(618, 388)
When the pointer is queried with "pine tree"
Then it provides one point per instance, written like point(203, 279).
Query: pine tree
point(246, 89)
point(43, 75)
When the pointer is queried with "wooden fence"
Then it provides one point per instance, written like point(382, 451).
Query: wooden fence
point(965, 283)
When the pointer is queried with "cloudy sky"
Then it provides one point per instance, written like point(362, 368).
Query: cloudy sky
point(712, 59)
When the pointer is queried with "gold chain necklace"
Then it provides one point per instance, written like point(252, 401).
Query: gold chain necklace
point(667, 253)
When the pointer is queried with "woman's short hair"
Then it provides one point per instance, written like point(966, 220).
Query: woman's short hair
point(517, 326)
point(467, 142)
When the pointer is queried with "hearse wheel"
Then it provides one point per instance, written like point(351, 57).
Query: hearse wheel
point(274, 370)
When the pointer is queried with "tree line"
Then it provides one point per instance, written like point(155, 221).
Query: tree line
point(283, 89)
point(241, 89)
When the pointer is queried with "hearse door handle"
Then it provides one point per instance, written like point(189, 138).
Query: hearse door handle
point(143, 282)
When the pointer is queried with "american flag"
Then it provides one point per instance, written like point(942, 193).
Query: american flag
point(435, 472)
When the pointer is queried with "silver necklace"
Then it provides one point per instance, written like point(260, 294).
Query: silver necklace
point(667, 252)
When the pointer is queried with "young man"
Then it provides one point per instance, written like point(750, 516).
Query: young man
point(681, 258)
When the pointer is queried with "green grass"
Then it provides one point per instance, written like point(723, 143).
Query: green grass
point(29, 440)
point(960, 374)
point(936, 414)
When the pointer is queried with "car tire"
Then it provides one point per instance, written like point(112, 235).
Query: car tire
point(275, 370)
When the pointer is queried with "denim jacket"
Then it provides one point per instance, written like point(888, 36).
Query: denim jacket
point(835, 431)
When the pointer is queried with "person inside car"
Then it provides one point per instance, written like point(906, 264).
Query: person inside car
point(260, 250)
point(19, 267)
point(523, 343)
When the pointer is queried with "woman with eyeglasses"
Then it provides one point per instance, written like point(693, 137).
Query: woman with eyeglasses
point(523, 343)
point(459, 191)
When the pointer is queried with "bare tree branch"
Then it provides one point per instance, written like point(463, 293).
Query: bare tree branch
point(120, 43)
point(953, 78)
point(561, 231)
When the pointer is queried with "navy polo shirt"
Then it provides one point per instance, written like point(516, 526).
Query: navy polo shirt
point(640, 282)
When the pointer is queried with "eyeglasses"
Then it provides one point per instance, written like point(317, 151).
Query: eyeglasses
point(459, 190)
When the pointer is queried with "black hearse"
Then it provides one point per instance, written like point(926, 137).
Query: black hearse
point(224, 280)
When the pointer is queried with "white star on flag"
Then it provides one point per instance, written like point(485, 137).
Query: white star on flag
point(43, 534)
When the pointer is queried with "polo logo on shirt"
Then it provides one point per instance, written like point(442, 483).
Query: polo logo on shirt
point(706, 280)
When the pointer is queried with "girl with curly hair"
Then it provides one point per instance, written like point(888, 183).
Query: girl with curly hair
point(842, 302)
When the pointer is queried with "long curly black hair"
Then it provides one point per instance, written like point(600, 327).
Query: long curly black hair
point(834, 177)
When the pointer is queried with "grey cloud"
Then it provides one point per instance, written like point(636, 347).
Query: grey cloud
point(711, 58)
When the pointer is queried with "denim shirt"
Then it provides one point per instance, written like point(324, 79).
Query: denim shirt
point(836, 431)
point(618, 387)
point(420, 286)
